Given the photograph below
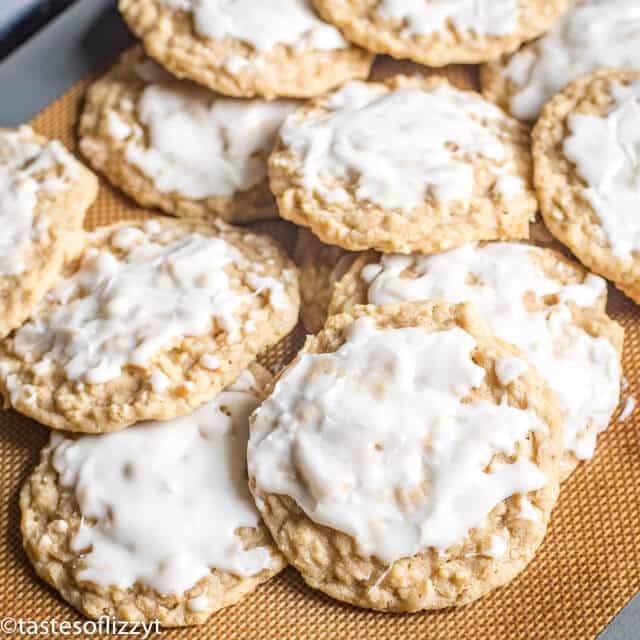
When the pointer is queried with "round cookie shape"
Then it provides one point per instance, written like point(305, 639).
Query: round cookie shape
point(182, 148)
point(99, 526)
point(586, 154)
point(246, 49)
point(442, 32)
point(411, 164)
point(320, 266)
point(406, 460)
point(546, 305)
point(151, 321)
point(44, 194)
point(593, 34)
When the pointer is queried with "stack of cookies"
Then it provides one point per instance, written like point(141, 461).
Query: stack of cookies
point(459, 365)
point(417, 198)
point(137, 344)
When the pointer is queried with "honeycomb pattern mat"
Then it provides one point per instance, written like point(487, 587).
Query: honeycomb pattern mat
point(585, 572)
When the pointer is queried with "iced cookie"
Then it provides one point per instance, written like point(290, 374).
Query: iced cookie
point(246, 48)
point(155, 522)
point(320, 266)
point(546, 305)
point(44, 193)
point(586, 157)
point(412, 164)
point(441, 32)
point(150, 322)
point(171, 144)
point(593, 34)
point(406, 459)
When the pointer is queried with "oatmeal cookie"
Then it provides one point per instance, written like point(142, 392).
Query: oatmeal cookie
point(244, 48)
point(179, 147)
point(406, 459)
point(99, 526)
point(411, 164)
point(152, 320)
point(586, 150)
point(44, 194)
point(441, 32)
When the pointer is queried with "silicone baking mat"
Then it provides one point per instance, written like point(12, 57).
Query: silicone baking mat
point(586, 570)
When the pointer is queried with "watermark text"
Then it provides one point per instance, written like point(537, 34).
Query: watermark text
point(104, 626)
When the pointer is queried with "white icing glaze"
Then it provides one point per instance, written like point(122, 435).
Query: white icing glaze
point(197, 143)
point(159, 381)
point(27, 392)
point(582, 370)
point(627, 410)
point(22, 161)
point(198, 603)
point(167, 498)
point(373, 440)
point(264, 24)
point(510, 369)
point(528, 511)
point(497, 549)
point(210, 362)
point(122, 310)
point(117, 127)
point(606, 152)
point(277, 294)
point(398, 144)
point(594, 34)
point(482, 17)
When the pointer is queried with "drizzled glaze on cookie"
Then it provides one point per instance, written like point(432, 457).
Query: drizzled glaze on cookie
point(375, 440)
point(125, 304)
point(162, 502)
point(583, 370)
point(23, 160)
point(594, 34)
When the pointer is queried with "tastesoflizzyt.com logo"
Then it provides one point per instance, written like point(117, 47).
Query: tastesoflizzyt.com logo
point(104, 626)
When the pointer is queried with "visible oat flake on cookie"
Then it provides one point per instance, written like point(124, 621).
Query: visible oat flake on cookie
point(146, 299)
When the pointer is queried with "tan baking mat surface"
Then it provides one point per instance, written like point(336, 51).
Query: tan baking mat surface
point(587, 569)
